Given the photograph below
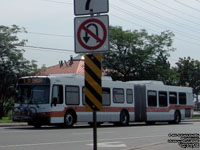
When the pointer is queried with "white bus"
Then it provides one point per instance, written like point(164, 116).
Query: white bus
point(60, 99)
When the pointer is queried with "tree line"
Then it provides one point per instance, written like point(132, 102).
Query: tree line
point(137, 55)
point(12, 65)
point(133, 55)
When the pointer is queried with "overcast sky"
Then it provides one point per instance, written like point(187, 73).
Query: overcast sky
point(50, 24)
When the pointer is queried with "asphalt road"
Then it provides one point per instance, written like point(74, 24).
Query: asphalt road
point(136, 136)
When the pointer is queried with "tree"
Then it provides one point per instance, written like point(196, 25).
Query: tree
point(189, 74)
point(12, 63)
point(136, 55)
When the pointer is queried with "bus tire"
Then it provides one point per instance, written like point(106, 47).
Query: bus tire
point(124, 118)
point(69, 119)
point(177, 117)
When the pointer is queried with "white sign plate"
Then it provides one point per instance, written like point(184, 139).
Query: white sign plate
point(86, 7)
point(91, 34)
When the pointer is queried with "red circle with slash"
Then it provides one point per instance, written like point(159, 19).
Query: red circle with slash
point(83, 28)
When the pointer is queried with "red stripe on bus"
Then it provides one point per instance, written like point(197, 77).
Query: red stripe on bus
point(82, 109)
point(167, 109)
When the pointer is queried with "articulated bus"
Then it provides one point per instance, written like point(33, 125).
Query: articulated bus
point(60, 100)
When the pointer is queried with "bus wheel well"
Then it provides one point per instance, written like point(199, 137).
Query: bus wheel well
point(125, 111)
point(72, 111)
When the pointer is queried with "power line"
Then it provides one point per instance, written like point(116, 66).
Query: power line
point(45, 50)
point(169, 13)
point(161, 17)
point(176, 9)
point(48, 48)
point(49, 34)
point(181, 3)
point(154, 23)
point(153, 30)
point(123, 19)
point(59, 2)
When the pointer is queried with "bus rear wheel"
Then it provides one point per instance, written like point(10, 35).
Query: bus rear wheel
point(69, 119)
point(124, 118)
point(177, 118)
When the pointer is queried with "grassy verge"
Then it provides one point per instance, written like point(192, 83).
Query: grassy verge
point(196, 117)
point(6, 120)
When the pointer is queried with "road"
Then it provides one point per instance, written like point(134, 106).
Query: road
point(135, 136)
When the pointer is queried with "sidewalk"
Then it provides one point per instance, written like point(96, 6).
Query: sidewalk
point(13, 124)
point(25, 124)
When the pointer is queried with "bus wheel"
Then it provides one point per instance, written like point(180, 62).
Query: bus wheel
point(69, 119)
point(124, 119)
point(177, 118)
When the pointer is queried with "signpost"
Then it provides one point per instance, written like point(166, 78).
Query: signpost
point(91, 37)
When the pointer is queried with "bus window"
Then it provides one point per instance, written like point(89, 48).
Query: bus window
point(152, 98)
point(172, 97)
point(129, 96)
point(163, 99)
point(182, 98)
point(72, 95)
point(106, 97)
point(57, 95)
point(118, 95)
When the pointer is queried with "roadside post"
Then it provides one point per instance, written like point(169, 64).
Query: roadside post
point(91, 38)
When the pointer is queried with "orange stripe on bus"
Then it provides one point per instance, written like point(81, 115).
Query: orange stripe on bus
point(83, 109)
point(167, 109)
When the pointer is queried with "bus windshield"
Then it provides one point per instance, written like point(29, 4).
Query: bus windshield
point(33, 94)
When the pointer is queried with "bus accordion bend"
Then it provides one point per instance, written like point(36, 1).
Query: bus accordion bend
point(60, 100)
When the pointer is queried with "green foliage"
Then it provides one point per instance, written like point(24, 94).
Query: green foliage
point(136, 55)
point(12, 63)
point(189, 74)
point(5, 120)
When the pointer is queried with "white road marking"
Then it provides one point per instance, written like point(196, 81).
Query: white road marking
point(147, 145)
point(85, 133)
point(83, 141)
point(109, 144)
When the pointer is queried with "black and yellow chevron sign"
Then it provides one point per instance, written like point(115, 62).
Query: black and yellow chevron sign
point(93, 89)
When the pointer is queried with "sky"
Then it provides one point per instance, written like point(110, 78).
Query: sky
point(50, 25)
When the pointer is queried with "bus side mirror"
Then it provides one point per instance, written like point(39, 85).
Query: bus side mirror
point(54, 101)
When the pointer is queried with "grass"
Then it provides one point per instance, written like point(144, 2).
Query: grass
point(196, 117)
point(6, 120)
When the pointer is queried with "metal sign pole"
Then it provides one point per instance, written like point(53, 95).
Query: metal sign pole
point(95, 130)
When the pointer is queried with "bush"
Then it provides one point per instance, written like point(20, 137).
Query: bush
point(8, 107)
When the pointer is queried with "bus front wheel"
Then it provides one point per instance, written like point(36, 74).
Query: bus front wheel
point(69, 119)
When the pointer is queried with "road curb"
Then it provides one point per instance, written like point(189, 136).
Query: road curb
point(13, 124)
point(191, 120)
point(25, 124)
